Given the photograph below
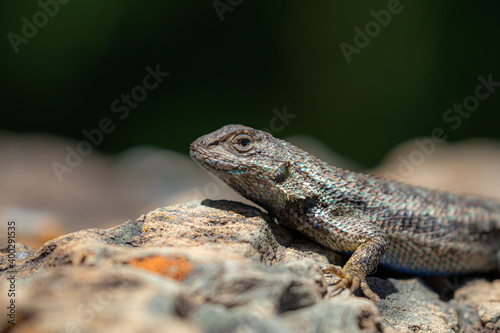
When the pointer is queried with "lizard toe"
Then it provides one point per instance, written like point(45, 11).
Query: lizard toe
point(368, 292)
point(350, 280)
point(333, 269)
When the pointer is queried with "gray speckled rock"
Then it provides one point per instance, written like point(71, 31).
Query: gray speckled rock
point(417, 308)
point(217, 266)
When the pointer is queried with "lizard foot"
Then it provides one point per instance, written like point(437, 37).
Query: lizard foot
point(352, 280)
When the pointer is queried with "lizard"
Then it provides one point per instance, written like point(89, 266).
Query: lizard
point(406, 228)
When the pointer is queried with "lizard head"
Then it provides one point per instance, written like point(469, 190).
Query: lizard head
point(250, 161)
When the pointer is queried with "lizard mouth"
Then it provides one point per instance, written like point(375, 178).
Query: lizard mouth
point(211, 161)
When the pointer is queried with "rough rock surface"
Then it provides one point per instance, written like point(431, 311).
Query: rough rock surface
point(221, 266)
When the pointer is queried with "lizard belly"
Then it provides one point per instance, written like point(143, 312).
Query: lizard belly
point(422, 257)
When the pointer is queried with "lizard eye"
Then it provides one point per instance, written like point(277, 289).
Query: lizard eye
point(243, 142)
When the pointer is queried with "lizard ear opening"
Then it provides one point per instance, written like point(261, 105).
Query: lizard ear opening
point(282, 173)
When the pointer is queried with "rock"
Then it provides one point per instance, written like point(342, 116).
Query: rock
point(210, 267)
point(469, 166)
point(32, 227)
point(489, 312)
point(97, 190)
point(477, 304)
point(417, 308)
point(83, 299)
point(335, 315)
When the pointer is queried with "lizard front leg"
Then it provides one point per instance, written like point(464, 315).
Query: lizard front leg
point(365, 240)
point(363, 261)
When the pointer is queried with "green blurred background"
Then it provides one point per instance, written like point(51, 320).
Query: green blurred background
point(263, 55)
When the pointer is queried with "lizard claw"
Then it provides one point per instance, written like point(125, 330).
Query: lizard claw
point(350, 280)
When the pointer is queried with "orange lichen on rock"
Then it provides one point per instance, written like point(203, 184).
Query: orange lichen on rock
point(145, 228)
point(177, 268)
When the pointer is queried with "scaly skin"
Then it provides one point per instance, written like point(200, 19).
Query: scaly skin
point(407, 228)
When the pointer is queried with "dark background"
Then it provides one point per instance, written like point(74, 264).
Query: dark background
point(263, 55)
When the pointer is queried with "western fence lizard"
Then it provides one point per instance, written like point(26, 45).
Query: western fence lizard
point(404, 227)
